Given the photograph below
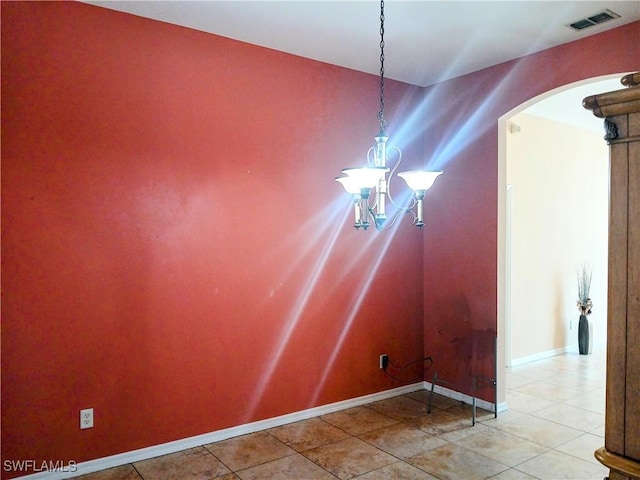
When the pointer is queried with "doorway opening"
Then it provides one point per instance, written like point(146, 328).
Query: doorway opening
point(552, 218)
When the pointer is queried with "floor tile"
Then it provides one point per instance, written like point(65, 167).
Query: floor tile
point(583, 447)
point(536, 370)
point(402, 441)
point(249, 450)
point(555, 465)
point(439, 422)
point(466, 411)
point(502, 447)
point(549, 391)
point(125, 472)
point(538, 430)
point(512, 474)
point(349, 458)
point(571, 416)
point(437, 400)
point(421, 395)
point(396, 471)
point(193, 464)
point(308, 434)
point(599, 373)
point(359, 420)
point(593, 401)
point(513, 380)
point(451, 462)
point(288, 468)
point(503, 417)
point(455, 435)
point(577, 382)
point(400, 408)
point(526, 403)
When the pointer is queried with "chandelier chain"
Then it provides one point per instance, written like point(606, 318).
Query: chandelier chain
point(370, 185)
point(383, 123)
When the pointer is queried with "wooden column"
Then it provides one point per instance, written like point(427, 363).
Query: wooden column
point(621, 111)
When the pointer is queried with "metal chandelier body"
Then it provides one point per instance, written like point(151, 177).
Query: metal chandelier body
point(360, 181)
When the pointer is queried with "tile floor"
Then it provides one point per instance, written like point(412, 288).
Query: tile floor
point(554, 423)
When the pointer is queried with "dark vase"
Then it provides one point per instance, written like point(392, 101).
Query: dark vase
point(583, 335)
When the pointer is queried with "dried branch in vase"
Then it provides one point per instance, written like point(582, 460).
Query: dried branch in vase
point(584, 285)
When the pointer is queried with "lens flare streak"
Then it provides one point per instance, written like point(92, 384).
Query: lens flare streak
point(362, 290)
point(298, 308)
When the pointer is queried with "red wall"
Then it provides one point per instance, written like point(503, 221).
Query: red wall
point(460, 249)
point(175, 252)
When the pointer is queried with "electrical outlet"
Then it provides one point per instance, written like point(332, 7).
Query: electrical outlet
point(384, 361)
point(86, 418)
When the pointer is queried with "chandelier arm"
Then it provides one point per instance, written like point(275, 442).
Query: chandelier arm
point(371, 157)
point(391, 174)
point(371, 162)
point(392, 222)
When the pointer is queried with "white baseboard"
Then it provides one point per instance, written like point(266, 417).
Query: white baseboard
point(516, 362)
point(463, 397)
point(552, 353)
point(133, 456)
point(171, 447)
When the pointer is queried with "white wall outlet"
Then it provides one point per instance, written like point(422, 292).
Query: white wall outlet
point(384, 361)
point(86, 418)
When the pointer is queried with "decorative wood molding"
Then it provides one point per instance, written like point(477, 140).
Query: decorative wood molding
point(618, 463)
point(635, 138)
point(611, 130)
point(631, 80)
point(620, 102)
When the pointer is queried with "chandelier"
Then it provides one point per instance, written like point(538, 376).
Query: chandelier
point(369, 185)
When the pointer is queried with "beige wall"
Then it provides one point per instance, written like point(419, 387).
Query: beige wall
point(559, 212)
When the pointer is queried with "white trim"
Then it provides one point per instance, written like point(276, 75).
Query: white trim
point(542, 355)
point(552, 353)
point(171, 447)
point(463, 397)
point(507, 286)
point(133, 456)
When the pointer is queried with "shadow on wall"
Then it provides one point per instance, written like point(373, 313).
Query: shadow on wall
point(472, 350)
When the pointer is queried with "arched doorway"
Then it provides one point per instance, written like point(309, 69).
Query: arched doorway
point(557, 284)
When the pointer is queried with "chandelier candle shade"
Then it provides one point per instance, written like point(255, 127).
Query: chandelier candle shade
point(360, 181)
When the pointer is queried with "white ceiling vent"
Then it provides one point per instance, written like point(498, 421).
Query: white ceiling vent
point(595, 19)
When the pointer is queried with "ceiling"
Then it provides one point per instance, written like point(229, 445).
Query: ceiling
point(566, 106)
point(425, 41)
